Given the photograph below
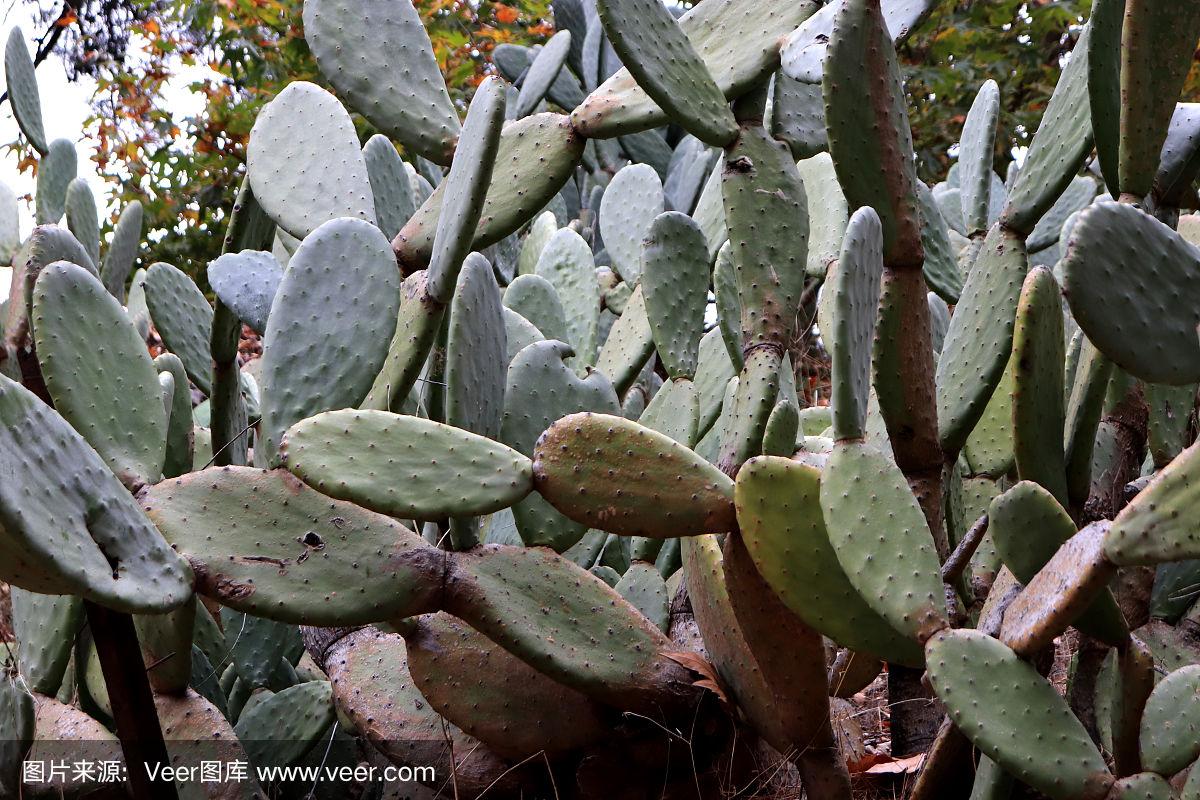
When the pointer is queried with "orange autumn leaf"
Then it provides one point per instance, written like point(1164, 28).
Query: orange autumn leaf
point(506, 15)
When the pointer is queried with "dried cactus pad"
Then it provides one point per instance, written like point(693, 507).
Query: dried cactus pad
point(86, 538)
point(264, 543)
point(1131, 283)
point(405, 466)
point(1014, 716)
point(304, 162)
point(616, 475)
point(377, 55)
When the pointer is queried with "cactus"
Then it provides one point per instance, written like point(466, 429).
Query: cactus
point(528, 504)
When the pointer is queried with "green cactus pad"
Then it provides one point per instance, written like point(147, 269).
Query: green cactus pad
point(1178, 166)
point(568, 625)
point(728, 304)
point(493, 695)
point(941, 263)
point(798, 115)
point(1038, 410)
point(675, 272)
point(763, 191)
point(122, 250)
point(1077, 196)
point(537, 155)
point(783, 527)
point(1158, 41)
point(1104, 85)
point(536, 299)
point(989, 449)
point(712, 376)
point(629, 344)
point(691, 163)
point(406, 467)
point(738, 42)
point(378, 56)
point(1157, 525)
point(56, 170)
point(827, 210)
point(246, 283)
point(280, 729)
point(1170, 730)
point(1074, 579)
point(1170, 416)
point(757, 392)
point(10, 225)
point(674, 411)
point(257, 647)
point(166, 641)
point(519, 333)
point(610, 473)
point(45, 625)
point(304, 124)
point(853, 292)
point(1143, 786)
point(566, 262)
point(643, 586)
point(82, 218)
point(330, 326)
point(540, 230)
point(874, 170)
point(183, 318)
point(264, 543)
point(661, 58)
point(882, 539)
point(1084, 408)
point(997, 699)
point(542, 73)
point(976, 145)
point(465, 188)
point(476, 351)
point(22, 87)
point(85, 537)
point(1147, 327)
point(110, 393)
point(782, 430)
point(632, 200)
point(979, 341)
point(390, 186)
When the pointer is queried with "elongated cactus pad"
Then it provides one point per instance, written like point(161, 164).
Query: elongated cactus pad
point(632, 201)
point(854, 294)
point(1148, 327)
point(675, 271)
point(536, 156)
point(566, 262)
point(109, 394)
point(790, 546)
point(542, 73)
point(56, 170)
point(996, 699)
point(405, 466)
point(882, 539)
point(280, 729)
point(264, 543)
point(82, 218)
point(45, 625)
point(377, 54)
point(22, 88)
point(1170, 731)
point(976, 144)
point(183, 318)
point(476, 351)
point(122, 250)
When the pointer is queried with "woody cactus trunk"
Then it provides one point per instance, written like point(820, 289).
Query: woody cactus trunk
point(523, 495)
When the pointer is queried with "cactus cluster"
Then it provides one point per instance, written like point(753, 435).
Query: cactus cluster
point(530, 486)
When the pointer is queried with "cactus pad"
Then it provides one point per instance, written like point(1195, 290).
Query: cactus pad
point(566, 262)
point(264, 543)
point(45, 625)
point(1148, 327)
point(1170, 730)
point(996, 699)
point(246, 283)
point(23, 89)
point(476, 351)
point(183, 318)
point(675, 273)
point(976, 145)
point(280, 729)
point(433, 470)
point(610, 473)
point(331, 325)
point(1157, 525)
point(122, 250)
point(632, 201)
point(306, 125)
